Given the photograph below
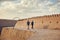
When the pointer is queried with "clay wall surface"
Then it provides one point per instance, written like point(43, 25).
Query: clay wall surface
point(50, 22)
point(15, 34)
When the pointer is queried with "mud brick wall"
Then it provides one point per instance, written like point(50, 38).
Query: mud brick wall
point(46, 22)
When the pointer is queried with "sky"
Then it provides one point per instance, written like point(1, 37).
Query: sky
point(21, 9)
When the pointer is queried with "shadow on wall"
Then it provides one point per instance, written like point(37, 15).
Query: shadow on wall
point(0, 30)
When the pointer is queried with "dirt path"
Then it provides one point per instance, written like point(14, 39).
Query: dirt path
point(45, 34)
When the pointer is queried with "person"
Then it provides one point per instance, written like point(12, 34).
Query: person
point(32, 23)
point(28, 23)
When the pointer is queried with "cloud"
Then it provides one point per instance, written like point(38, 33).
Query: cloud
point(7, 0)
point(28, 8)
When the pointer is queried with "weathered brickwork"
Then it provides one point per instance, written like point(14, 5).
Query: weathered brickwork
point(50, 22)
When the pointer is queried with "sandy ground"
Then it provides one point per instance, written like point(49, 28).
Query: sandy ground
point(46, 34)
point(15, 34)
point(38, 34)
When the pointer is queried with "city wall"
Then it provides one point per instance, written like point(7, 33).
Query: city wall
point(45, 22)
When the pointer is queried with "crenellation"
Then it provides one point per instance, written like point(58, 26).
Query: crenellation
point(47, 21)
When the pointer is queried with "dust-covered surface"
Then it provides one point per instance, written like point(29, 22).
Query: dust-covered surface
point(46, 34)
point(31, 34)
point(15, 34)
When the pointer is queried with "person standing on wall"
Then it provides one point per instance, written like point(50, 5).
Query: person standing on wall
point(32, 24)
point(28, 23)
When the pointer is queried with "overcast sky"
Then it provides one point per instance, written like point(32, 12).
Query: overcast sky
point(11, 9)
